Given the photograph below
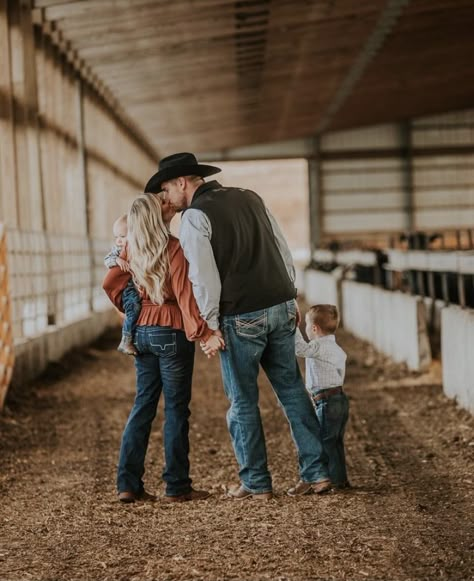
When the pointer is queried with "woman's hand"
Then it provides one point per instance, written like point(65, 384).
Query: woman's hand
point(213, 344)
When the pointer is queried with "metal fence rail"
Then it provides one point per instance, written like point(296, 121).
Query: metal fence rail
point(51, 299)
point(54, 280)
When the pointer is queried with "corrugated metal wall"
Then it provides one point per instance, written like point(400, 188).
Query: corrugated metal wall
point(362, 182)
point(444, 171)
point(391, 178)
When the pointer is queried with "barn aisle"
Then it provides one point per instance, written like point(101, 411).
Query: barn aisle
point(411, 457)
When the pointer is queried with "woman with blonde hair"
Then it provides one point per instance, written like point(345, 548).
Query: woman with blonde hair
point(167, 327)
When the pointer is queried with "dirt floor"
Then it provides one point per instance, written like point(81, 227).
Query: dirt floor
point(409, 515)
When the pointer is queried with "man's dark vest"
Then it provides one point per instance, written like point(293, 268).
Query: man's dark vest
point(252, 271)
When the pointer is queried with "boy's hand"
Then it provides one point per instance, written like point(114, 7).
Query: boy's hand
point(123, 265)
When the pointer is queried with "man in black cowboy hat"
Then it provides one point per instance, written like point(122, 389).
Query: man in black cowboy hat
point(243, 280)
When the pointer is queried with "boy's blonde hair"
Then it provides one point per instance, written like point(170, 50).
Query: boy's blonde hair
point(121, 220)
point(148, 247)
point(326, 317)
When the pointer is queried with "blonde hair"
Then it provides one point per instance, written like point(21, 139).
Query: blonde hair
point(148, 246)
point(120, 220)
point(326, 317)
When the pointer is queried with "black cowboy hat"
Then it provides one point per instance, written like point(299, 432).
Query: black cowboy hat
point(175, 166)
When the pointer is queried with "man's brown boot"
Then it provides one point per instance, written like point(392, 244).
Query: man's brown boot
point(129, 497)
point(188, 496)
point(300, 489)
point(303, 488)
point(322, 486)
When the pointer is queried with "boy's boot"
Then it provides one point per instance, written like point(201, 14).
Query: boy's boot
point(126, 346)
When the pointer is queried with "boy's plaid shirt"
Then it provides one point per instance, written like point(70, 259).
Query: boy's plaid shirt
point(325, 362)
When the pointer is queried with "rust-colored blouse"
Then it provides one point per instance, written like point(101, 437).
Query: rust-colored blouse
point(179, 310)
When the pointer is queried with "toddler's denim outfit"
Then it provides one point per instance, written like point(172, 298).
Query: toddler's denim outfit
point(131, 303)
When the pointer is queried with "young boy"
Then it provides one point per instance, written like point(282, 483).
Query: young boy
point(325, 371)
point(130, 299)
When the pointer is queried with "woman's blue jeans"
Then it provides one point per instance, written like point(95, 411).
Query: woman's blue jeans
point(164, 364)
point(267, 338)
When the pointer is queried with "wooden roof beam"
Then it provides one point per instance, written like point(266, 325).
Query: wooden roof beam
point(93, 8)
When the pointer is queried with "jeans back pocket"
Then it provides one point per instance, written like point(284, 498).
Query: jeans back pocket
point(162, 343)
point(251, 324)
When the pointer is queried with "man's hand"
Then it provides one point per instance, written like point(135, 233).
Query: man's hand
point(123, 264)
point(213, 344)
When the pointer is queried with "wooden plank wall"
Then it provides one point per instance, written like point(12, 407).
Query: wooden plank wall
point(8, 189)
point(67, 163)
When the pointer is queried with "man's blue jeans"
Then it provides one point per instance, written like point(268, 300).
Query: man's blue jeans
point(131, 303)
point(333, 414)
point(267, 337)
point(164, 364)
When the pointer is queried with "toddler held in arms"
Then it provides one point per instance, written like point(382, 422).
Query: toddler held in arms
point(130, 298)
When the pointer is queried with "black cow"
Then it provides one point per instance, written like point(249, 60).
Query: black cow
point(448, 287)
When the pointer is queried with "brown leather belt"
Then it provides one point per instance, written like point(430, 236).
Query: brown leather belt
point(325, 393)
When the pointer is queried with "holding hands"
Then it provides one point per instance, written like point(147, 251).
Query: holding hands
point(213, 344)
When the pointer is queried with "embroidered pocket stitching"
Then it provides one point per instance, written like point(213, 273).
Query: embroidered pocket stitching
point(259, 324)
point(163, 347)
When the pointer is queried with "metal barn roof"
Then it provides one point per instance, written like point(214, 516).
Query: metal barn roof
point(216, 74)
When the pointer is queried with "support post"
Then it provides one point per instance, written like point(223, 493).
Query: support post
point(9, 203)
point(407, 174)
point(25, 100)
point(84, 185)
point(315, 197)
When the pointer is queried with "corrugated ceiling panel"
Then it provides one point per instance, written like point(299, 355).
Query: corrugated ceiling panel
point(441, 198)
point(438, 136)
point(362, 202)
point(464, 117)
point(378, 137)
point(366, 180)
point(445, 218)
point(353, 222)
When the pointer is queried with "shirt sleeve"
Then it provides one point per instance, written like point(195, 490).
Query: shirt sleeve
point(114, 284)
point(305, 349)
point(195, 238)
point(111, 258)
point(282, 246)
point(194, 326)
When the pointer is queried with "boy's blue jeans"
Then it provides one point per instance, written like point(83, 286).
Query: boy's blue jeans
point(164, 364)
point(132, 305)
point(266, 337)
point(333, 414)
